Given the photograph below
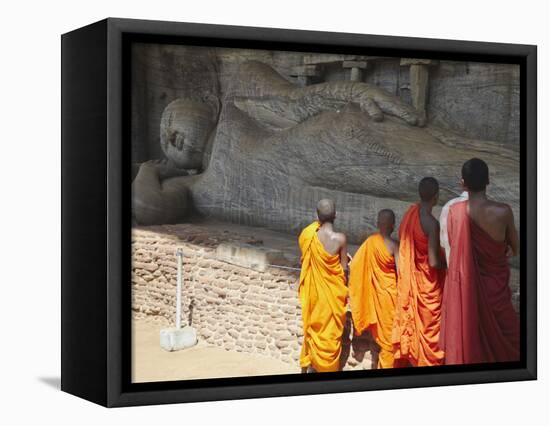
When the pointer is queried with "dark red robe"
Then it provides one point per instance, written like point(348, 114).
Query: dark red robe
point(479, 323)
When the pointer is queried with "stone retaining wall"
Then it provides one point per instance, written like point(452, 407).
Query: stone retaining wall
point(230, 306)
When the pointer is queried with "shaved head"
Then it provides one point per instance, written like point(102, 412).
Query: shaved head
point(386, 221)
point(386, 216)
point(326, 210)
point(428, 188)
point(475, 174)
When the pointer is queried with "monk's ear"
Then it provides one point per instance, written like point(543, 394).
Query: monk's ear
point(463, 184)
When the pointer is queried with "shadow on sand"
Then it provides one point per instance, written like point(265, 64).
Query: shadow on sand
point(357, 346)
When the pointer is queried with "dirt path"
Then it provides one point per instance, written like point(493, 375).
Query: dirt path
point(151, 363)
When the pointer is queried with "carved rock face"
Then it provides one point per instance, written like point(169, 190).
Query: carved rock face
point(184, 130)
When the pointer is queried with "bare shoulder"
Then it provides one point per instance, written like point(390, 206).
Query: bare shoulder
point(500, 210)
point(430, 224)
point(503, 208)
point(341, 238)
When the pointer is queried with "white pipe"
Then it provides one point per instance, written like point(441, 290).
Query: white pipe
point(179, 255)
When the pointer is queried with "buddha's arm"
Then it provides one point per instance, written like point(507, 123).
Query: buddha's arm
point(269, 98)
point(371, 99)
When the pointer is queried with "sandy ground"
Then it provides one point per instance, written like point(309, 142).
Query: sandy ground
point(151, 363)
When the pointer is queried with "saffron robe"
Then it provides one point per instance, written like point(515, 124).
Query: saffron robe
point(479, 322)
point(323, 294)
point(419, 292)
point(373, 292)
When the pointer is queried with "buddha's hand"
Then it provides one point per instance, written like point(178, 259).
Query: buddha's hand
point(376, 102)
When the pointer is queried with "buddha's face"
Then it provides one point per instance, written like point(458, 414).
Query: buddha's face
point(184, 130)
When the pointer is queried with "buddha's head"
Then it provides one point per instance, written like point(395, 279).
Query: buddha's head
point(185, 127)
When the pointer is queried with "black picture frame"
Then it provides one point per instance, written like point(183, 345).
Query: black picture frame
point(95, 349)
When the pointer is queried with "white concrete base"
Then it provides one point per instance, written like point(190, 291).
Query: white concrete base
point(175, 339)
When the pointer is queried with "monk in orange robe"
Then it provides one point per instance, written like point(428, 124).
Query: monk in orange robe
point(373, 287)
point(421, 277)
point(479, 322)
point(323, 291)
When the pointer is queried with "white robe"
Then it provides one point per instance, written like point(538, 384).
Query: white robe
point(443, 235)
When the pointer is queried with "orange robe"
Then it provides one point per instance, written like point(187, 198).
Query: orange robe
point(419, 293)
point(323, 295)
point(373, 292)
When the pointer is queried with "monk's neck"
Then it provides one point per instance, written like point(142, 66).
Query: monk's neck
point(385, 234)
point(474, 196)
point(426, 207)
point(327, 226)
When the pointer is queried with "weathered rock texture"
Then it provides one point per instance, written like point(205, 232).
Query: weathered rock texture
point(161, 74)
point(278, 148)
point(478, 100)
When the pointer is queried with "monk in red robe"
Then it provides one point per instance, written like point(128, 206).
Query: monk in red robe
point(479, 323)
point(420, 283)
